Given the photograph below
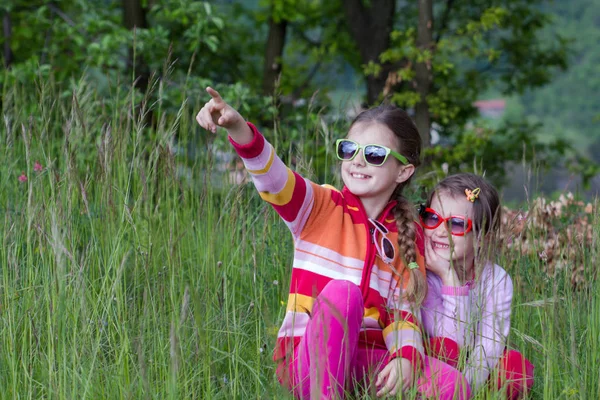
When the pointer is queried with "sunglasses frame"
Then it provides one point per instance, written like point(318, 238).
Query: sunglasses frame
point(442, 220)
point(359, 147)
point(379, 227)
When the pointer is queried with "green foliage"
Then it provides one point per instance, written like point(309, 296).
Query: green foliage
point(486, 150)
point(316, 47)
point(484, 45)
point(193, 37)
point(568, 105)
point(66, 39)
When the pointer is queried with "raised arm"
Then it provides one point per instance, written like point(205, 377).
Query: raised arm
point(292, 196)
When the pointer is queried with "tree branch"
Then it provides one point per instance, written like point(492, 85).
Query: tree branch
point(304, 37)
point(52, 7)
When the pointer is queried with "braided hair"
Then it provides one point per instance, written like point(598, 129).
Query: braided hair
point(409, 145)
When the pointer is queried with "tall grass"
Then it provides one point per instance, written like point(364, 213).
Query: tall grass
point(126, 272)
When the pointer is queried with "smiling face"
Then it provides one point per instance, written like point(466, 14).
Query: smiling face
point(459, 249)
point(368, 181)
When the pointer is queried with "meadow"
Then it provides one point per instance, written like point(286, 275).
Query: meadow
point(132, 269)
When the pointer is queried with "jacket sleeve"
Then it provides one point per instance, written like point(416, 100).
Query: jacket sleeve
point(454, 317)
point(403, 336)
point(493, 327)
point(446, 310)
point(291, 195)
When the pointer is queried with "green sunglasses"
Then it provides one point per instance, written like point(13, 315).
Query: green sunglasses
point(374, 154)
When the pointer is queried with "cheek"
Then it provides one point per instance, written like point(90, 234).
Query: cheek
point(464, 245)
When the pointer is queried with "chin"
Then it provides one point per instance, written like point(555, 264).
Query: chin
point(444, 254)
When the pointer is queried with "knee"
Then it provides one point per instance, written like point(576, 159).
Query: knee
point(516, 374)
point(343, 297)
point(457, 387)
point(445, 349)
point(516, 365)
point(441, 381)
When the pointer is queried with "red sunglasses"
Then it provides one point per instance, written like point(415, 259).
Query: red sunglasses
point(457, 224)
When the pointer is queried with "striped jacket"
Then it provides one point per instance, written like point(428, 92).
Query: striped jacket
point(332, 240)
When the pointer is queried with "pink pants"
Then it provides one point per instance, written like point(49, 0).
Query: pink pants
point(328, 359)
point(515, 372)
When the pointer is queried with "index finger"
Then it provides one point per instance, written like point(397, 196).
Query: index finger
point(215, 95)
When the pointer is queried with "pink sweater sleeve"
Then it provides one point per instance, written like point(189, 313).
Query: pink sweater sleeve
point(445, 312)
point(290, 194)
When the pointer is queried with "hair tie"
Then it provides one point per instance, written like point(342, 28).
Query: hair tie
point(413, 265)
point(472, 194)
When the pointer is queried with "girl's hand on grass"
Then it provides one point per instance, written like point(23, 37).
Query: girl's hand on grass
point(216, 112)
point(398, 374)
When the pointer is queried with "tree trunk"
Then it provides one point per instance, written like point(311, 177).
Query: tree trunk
point(134, 16)
point(370, 25)
point(7, 32)
point(423, 70)
point(273, 55)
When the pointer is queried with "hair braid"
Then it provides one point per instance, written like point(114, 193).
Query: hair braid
point(405, 223)
point(409, 145)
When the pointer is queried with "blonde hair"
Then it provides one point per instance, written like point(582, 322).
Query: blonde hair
point(416, 289)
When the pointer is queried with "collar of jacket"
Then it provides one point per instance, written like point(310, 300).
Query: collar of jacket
point(353, 201)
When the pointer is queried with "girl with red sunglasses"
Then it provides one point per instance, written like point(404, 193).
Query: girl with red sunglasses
point(358, 275)
point(468, 305)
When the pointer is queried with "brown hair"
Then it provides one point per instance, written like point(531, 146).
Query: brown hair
point(409, 145)
point(487, 212)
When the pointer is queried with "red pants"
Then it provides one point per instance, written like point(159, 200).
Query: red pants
point(515, 372)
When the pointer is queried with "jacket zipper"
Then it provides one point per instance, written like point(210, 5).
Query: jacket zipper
point(369, 257)
point(369, 261)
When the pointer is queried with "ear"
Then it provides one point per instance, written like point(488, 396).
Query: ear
point(406, 171)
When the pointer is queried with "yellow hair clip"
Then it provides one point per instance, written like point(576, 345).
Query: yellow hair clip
point(472, 194)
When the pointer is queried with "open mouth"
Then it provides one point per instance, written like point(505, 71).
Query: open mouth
point(437, 245)
point(356, 175)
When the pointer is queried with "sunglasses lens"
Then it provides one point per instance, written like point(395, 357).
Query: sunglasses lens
point(346, 149)
point(375, 155)
point(430, 219)
point(458, 225)
point(388, 248)
point(379, 226)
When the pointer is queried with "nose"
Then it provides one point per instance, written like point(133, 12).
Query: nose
point(359, 159)
point(442, 230)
